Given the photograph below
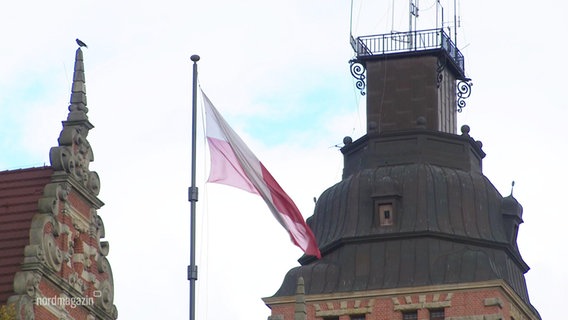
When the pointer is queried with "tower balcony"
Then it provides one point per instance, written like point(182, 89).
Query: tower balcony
point(409, 44)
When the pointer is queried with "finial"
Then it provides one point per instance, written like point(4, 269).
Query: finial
point(465, 130)
point(81, 43)
point(195, 58)
point(512, 187)
point(300, 312)
point(78, 102)
point(300, 286)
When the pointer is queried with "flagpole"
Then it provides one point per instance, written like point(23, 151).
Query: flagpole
point(193, 196)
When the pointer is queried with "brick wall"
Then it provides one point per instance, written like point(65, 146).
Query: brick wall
point(495, 302)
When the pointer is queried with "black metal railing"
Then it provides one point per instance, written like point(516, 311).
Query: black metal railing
point(398, 42)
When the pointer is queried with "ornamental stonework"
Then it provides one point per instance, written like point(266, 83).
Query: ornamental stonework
point(65, 273)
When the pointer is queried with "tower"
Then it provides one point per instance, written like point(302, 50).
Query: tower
point(414, 230)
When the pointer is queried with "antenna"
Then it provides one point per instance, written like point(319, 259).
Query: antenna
point(392, 17)
point(413, 14)
point(457, 20)
point(439, 25)
point(351, 21)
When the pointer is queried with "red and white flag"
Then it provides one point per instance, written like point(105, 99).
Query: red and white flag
point(233, 164)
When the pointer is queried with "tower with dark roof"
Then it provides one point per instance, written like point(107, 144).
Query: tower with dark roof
point(53, 261)
point(414, 230)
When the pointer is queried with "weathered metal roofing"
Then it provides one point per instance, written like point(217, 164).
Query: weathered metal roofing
point(449, 222)
point(432, 199)
point(399, 263)
point(448, 229)
point(20, 191)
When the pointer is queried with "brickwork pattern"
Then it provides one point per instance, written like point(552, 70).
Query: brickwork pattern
point(458, 304)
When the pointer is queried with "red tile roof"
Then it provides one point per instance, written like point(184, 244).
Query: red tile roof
point(20, 191)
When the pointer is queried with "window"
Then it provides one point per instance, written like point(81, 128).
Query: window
point(410, 315)
point(437, 314)
point(330, 318)
point(385, 212)
point(357, 317)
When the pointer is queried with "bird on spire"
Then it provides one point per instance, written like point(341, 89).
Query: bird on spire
point(81, 43)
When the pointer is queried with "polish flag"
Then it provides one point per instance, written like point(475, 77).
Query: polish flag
point(233, 164)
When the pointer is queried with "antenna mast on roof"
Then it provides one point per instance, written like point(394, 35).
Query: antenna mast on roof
point(413, 14)
point(439, 12)
point(455, 24)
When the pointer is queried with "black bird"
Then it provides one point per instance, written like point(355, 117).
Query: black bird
point(81, 43)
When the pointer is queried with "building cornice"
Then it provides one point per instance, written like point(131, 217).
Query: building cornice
point(518, 303)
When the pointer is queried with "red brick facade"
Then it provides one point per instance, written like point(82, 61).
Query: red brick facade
point(472, 301)
point(53, 263)
point(65, 274)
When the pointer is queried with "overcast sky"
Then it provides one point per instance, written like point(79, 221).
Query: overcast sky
point(278, 72)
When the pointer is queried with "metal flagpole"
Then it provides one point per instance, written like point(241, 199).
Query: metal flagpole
point(192, 195)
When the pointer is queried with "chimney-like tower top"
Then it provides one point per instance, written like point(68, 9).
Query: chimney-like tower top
point(411, 80)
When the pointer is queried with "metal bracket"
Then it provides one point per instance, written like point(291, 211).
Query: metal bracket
point(192, 194)
point(357, 68)
point(464, 91)
point(191, 272)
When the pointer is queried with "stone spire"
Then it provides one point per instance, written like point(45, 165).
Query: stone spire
point(74, 152)
point(78, 103)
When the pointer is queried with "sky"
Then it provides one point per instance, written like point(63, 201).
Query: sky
point(278, 72)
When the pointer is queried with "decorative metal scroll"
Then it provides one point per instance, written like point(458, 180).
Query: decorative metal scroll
point(464, 91)
point(357, 69)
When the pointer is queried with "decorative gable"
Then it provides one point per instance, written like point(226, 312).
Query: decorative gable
point(65, 273)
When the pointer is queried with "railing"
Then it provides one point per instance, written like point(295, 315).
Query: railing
point(400, 42)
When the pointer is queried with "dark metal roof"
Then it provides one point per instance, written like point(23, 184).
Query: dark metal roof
point(20, 191)
point(448, 229)
point(398, 263)
point(449, 220)
point(432, 199)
